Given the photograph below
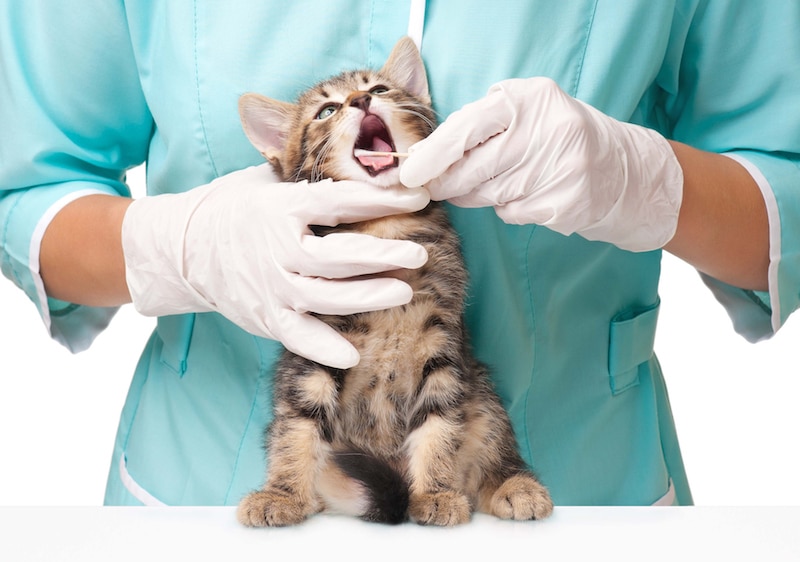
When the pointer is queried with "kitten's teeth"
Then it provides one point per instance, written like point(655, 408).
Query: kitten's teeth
point(359, 152)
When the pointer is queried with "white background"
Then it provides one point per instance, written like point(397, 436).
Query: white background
point(736, 404)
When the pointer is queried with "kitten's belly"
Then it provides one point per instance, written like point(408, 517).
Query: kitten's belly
point(377, 397)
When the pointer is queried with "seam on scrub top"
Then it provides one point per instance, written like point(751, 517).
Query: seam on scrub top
point(262, 374)
point(140, 380)
point(369, 33)
point(535, 353)
point(199, 104)
point(579, 70)
point(663, 407)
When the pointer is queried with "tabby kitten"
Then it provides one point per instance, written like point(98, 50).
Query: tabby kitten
point(415, 428)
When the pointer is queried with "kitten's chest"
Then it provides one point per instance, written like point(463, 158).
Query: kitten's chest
point(378, 395)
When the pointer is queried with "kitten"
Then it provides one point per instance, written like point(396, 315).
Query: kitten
point(415, 428)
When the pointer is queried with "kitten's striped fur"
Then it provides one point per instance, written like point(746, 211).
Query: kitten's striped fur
point(414, 429)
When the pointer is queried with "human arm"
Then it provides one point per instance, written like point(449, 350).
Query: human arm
point(567, 166)
point(546, 158)
point(723, 228)
point(241, 246)
point(81, 258)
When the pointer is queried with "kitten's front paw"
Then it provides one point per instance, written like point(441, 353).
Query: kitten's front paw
point(440, 508)
point(270, 508)
point(521, 497)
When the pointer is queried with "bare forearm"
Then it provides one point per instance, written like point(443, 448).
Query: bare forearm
point(81, 258)
point(723, 228)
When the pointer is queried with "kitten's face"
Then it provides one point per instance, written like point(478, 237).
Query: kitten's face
point(316, 138)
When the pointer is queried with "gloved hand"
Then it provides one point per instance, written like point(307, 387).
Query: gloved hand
point(539, 156)
point(241, 246)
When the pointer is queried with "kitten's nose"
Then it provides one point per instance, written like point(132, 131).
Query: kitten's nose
point(361, 101)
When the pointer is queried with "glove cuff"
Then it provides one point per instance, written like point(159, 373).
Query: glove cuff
point(645, 217)
point(153, 239)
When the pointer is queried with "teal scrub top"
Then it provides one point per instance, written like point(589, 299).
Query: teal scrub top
point(91, 88)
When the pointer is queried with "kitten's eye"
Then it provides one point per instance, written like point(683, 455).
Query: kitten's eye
point(327, 111)
point(378, 90)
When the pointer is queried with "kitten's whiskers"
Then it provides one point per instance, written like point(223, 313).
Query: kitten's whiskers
point(413, 108)
point(322, 155)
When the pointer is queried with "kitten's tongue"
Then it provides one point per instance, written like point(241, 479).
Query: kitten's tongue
point(376, 161)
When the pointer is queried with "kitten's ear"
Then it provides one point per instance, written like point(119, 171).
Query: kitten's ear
point(406, 69)
point(265, 122)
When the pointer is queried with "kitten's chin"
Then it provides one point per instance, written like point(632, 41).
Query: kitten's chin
point(386, 179)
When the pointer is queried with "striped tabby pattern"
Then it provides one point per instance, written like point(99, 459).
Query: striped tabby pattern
point(415, 429)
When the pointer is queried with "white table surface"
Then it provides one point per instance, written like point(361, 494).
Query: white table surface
point(572, 533)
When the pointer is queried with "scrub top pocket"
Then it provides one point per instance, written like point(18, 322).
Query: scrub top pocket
point(632, 337)
point(176, 334)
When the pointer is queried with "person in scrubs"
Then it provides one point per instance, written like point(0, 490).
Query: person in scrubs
point(578, 140)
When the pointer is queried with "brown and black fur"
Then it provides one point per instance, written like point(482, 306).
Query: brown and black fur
point(415, 429)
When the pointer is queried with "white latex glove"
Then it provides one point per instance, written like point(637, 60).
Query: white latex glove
point(539, 156)
point(241, 246)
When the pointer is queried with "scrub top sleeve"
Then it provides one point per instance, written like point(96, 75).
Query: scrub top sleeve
point(74, 120)
point(778, 176)
point(739, 78)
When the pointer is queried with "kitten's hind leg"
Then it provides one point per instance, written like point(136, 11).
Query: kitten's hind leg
point(272, 507)
point(289, 495)
point(520, 497)
point(434, 499)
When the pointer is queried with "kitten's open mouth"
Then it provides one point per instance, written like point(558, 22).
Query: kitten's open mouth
point(374, 137)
